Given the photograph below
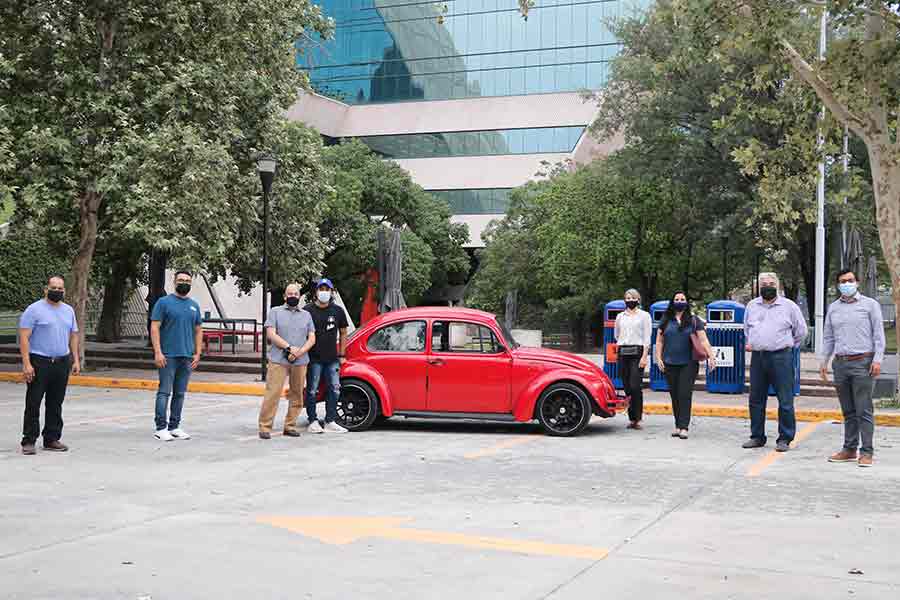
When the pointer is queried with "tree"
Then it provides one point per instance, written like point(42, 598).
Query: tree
point(129, 113)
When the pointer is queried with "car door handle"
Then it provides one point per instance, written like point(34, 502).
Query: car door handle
point(437, 362)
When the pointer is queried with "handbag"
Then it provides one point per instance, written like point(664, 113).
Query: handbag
point(631, 351)
point(698, 352)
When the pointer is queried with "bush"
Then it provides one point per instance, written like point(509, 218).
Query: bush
point(26, 262)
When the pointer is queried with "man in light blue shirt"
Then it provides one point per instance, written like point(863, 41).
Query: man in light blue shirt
point(854, 334)
point(48, 342)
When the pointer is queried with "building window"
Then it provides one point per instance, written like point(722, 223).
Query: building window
point(492, 201)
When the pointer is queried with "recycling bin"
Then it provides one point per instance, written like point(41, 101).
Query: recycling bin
point(657, 377)
point(725, 330)
point(610, 365)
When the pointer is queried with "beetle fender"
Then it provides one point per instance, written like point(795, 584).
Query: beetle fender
point(523, 405)
point(363, 372)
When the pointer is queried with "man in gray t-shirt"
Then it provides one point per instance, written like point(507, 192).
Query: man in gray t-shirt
point(291, 333)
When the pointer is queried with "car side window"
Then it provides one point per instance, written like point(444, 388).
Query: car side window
point(467, 338)
point(408, 336)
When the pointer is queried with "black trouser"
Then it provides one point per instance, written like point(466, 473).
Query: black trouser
point(632, 379)
point(681, 380)
point(51, 376)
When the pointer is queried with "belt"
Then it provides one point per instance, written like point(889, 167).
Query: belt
point(774, 351)
point(50, 359)
point(862, 356)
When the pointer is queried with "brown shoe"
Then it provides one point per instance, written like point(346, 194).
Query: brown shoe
point(265, 435)
point(56, 446)
point(291, 433)
point(843, 456)
point(29, 449)
point(865, 460)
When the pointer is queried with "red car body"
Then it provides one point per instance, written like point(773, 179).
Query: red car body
point(461, 363)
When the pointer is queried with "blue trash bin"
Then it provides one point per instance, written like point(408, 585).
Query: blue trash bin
point(796, 356)
point(610, 312)
point(657, 377)
point(725, 330)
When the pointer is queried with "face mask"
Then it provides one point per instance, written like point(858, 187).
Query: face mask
point(324, 297)
point(631, 304)
point(292, 301)
point(848, 289)
point(55, 295)
point(680, 306)
point(183, 288)
point(768, 293)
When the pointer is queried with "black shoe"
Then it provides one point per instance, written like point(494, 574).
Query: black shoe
point(265, 435)
point(782, 446)
point(291, 433)
point(753, 443)
point(28, 449)
point(55, 446)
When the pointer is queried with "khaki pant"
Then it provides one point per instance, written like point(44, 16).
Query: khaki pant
point(275, 377)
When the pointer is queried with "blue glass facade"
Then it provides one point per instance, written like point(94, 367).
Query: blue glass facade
point(494, 201)
point(396, 50)
point(475, 143)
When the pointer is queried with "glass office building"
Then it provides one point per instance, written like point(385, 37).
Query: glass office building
point(465, 94)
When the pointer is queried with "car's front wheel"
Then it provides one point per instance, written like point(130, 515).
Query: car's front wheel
point(563, 409)
point(357, 406)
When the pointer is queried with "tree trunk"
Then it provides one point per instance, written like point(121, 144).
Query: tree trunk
point(886, 180)
point(156, 288)
point(109, 327)
point(84, 258)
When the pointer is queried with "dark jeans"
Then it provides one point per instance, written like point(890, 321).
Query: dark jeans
point(775, 369)
point(50, 379)
point(332, 373)
point(173, 381)
point(855, 385)
point(632, 379)
point(681, 380)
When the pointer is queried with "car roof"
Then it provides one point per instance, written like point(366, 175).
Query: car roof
point(431, 312)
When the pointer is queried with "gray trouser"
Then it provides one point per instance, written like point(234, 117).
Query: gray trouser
point(855, 385)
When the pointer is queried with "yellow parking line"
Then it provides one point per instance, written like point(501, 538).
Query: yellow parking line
point(504, 445)
point(772, 456)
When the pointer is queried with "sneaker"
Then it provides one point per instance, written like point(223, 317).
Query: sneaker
point(865, 460)
point(315, 427)
point(180, 434)
point(163, 435)
point(843, 456)
point(332, 427)
point(56, 446)
point(753, 443)
point(782, 446)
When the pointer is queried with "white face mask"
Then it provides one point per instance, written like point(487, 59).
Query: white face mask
point(324, 297)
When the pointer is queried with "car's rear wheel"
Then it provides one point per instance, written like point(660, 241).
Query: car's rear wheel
point(563, 409)
point(357, 406)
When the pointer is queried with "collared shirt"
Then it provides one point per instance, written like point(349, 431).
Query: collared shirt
point(633, 329)
point(51, 326)
point(853, 326)
point(774, 326)
point(294, 325)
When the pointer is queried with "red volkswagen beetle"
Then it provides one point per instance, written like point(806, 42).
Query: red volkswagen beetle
point(438, 362)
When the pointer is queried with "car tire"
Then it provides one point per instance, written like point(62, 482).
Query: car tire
point(563, 409)
point(358, 405)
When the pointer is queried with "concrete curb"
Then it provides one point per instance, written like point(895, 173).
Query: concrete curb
point(257, 389)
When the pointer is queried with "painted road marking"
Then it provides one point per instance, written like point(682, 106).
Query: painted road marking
point(505, 444)
point(346, 530)
point(772, 456)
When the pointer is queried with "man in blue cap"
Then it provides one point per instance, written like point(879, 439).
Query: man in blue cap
point(325, 357)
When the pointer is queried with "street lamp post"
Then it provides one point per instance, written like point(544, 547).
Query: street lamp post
point(820, 203)
point(265, 166)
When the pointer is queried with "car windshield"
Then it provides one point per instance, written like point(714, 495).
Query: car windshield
point(507, 336)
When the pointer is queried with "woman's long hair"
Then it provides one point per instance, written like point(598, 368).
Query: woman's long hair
point(686, 316)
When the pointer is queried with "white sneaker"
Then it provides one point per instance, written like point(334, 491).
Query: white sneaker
point(315, 427)
point(163, 435)
point(332, 427)
point(180, 434)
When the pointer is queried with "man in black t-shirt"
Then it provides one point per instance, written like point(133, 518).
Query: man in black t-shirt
point(325, 357)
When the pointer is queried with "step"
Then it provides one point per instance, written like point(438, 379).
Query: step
point(141, 354)
point(147, 365)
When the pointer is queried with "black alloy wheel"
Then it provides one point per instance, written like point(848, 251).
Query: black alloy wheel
point(357, 406)
point(563, 409)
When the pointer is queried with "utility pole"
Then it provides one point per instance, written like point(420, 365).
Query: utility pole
point(820, 197)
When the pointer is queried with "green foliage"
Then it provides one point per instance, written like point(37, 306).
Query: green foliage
point(27, 259)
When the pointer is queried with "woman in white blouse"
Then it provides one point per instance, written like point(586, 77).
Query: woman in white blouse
point(633, 329)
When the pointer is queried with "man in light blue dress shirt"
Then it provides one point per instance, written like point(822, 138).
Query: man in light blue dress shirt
point(854, 335)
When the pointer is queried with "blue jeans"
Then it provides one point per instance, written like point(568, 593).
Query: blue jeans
point(173, 381)
point(776, 369)
point(332, 373)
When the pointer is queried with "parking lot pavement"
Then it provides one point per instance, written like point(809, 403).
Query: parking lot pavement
point(435, 510)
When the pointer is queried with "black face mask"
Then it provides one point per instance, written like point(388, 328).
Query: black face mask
point(680, 306)
point(55, 295)
point(292, 301)
point(183, 288)
point(631, 304)
point(768, 293)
